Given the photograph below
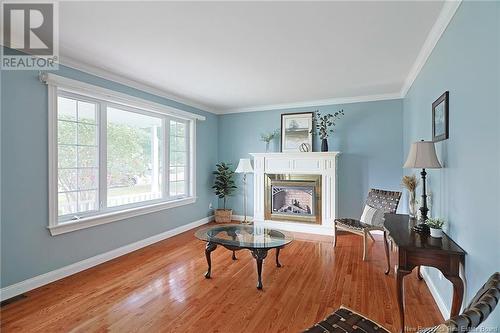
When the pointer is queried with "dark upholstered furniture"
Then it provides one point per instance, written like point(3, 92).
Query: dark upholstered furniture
point(387, 201)
point(345, 320)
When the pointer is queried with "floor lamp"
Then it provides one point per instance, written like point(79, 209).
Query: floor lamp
point(244, 167)
point(422, 154)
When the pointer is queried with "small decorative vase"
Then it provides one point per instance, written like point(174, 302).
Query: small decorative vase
point(436, 233)
point(412, 204)
point(324, 145)
point(267, 147)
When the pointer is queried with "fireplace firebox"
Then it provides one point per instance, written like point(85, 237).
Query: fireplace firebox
point(293, 197)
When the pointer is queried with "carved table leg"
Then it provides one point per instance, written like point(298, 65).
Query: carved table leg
point(458, 294)
point(259, 255)
point(400, 294)
point(387, 256)
point(208, 249)
point(233, 236)
point(335, 231)
point(278, 264)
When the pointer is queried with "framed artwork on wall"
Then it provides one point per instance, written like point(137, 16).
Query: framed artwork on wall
point(440, 118)
point(296, 131)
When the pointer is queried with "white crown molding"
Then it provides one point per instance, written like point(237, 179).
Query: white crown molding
point(43, 279)
point(320, 102)
point(447, 12)
point(108, 75)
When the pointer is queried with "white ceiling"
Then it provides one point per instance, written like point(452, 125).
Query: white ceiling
point(234, 56)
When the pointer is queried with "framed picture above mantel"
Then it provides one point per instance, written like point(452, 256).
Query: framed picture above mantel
point(440, 118)
point(296, 131)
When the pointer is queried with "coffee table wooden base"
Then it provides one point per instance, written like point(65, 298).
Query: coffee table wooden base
point(258, 254)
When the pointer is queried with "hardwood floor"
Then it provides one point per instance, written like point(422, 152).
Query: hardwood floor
point(161, 288)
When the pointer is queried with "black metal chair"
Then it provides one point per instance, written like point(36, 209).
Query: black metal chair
point(387, 201)
point(346, 321)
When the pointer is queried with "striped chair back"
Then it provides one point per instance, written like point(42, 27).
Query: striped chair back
point(387, 201)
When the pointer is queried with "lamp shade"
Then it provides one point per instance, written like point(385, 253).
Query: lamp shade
point(422, 155)
point(244, 166)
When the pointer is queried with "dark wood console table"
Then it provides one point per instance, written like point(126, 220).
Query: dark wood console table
point(415, 250)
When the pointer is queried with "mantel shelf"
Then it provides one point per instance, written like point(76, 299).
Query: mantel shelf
point(299, 154)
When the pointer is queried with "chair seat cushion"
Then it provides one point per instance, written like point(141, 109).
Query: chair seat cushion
point(346, 321)
point(351, 224)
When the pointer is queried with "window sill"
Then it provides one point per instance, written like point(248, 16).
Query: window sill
point(92, 221)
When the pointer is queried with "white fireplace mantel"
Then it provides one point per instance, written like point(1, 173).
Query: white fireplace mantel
point(324, 164)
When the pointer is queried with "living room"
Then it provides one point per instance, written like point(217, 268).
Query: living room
point(328, 166)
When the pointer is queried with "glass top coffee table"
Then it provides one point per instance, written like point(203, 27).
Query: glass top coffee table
point(235, 237)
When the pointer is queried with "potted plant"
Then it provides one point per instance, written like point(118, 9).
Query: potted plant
point(223, 188)
point(323, 125)
point(435, 225)
point(411, 184)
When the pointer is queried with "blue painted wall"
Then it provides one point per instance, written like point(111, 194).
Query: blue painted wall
point(369, 137)
point(27, 249)
point(467, 191)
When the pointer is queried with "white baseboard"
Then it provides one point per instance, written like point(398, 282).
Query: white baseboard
point(291, 226)
point(241, 218)
point(443, 308)
point(40, 280)
point(299, 227)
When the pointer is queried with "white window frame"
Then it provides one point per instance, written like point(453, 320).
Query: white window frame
point(110, 97)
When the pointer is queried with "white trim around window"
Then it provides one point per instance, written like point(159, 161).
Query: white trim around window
point(103, 99)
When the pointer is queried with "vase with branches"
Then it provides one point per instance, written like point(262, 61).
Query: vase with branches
point(268, 137)
point(223, 187)
point(323, 125)
point(411, 183)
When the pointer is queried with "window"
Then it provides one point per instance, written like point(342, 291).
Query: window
point(134, 157)
point(114, 156)
point(77, 164)
point(178, 161)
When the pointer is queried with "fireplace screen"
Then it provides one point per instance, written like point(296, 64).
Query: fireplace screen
point(295, 200)
point(293, 197)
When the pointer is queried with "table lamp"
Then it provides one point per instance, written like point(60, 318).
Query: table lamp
point(244, 167)
point(422, 155)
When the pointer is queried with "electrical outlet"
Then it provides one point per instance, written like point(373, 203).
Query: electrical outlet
point(210, 206)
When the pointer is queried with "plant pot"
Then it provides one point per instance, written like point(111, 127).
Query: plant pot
point(324, 145)
point(436, 233)
point(223, 215)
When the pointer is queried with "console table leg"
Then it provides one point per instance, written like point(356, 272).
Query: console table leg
point(259, 255)
point(387, 256)
point(458, 294)
point(278, 264)
point(208, 249)
point(400, 294)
